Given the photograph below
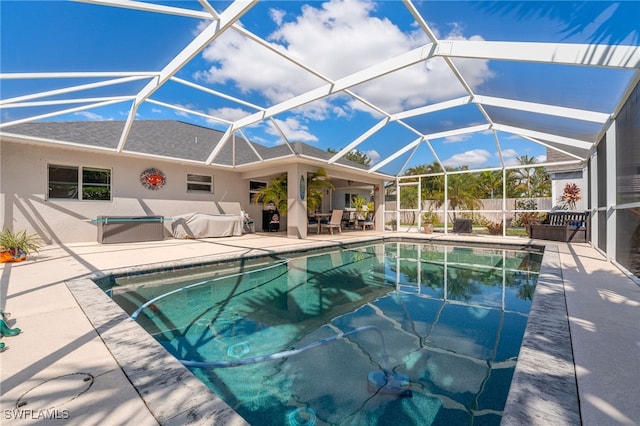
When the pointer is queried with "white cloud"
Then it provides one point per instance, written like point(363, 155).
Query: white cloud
point(425, 83)
point(463, 137)
point(229, 114)
point(337, 38)
point(257, 139)
point(512, 161)
point(277, 15)
point(509, 153)
point(200, 27)
point(457, 138)
point(252, 68)
point(373, 155)
point(293, 129)
point(323, 109)
point(92, 116)
point(513, 137)
point(342, 37)
point(473, 158)
point(510, 157)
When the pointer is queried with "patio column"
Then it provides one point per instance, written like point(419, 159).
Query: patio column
point(297, 193)
point(378, 205)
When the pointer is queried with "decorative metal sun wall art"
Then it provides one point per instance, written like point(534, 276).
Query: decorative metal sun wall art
point(153, 179)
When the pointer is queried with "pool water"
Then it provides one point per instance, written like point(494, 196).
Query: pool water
point(392, 333)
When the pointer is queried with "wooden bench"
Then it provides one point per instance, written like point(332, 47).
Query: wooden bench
point(563, 226)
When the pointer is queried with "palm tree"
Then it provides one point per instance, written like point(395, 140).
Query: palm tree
point(316, 183)
point(431, 187)
point(276, 193)
point(490, 184)
point(422, 169)
point(523, 175)
point(528, 181)
point(462, 192)
point(409, 200)
point(511, 184)
point(541, 183)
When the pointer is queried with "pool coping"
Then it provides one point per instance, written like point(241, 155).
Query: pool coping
point(543, 389)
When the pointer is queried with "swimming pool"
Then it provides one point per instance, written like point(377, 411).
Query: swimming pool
point(386, 333)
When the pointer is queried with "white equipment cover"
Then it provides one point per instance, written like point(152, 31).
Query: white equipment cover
point(202, 225)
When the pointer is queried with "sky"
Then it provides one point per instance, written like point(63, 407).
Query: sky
point(335, 39)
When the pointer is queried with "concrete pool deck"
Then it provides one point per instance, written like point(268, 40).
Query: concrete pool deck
point(68, 373)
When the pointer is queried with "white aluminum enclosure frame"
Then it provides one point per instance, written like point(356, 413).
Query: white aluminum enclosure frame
point(64, 101)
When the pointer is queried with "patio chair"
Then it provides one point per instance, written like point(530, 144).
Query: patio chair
point(334, 222)
point(368, 222)
point(312, 222)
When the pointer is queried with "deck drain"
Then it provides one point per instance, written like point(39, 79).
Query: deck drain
point(55, 392)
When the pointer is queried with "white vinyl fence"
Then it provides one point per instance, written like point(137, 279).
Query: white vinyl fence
point(491, 210)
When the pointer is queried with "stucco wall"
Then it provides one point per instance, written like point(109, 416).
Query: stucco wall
point(23, 189)
point(559, 180)
point(338, 196)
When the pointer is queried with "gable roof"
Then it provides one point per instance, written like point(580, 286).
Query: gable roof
point(167, 138)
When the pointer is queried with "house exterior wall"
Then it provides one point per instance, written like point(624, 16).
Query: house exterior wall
point(338, 196)
point(560, 179)
point(24, 203)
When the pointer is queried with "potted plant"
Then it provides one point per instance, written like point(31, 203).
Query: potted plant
point(359, 203)
point(428, 219)
point(14, 247)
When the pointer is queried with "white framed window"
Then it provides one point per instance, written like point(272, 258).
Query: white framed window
point(199, 183)
point(78, 183)
point(348, 200)
point(254, 188)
